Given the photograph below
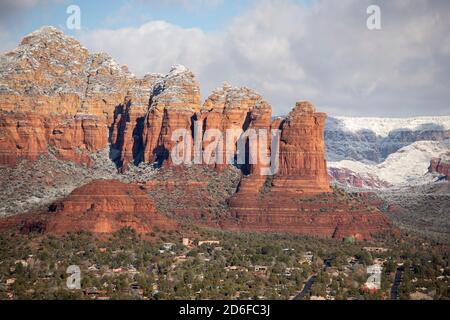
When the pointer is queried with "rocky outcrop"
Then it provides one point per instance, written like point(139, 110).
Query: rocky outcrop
point(106, 206)
point(55, 94)
point(440, 167)
point(174, 102)
point(328, 215)
point(302, 166)
point(30, 135)
point(298, 199)
point(50, 73)
point(127, 143)
point(57, 97)
point(235, 110)
point(348, 178)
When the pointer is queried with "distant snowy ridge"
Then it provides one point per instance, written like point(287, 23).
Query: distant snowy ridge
point(372, 140)
point(383, 126)
point(407, 166)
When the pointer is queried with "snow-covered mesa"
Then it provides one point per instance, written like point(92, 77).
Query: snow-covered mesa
point(382, 152)
point(407, 166)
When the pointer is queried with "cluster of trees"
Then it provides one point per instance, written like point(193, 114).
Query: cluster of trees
point(204, 274)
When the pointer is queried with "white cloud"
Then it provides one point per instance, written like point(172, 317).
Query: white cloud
point(153, 47)
point(322, 52)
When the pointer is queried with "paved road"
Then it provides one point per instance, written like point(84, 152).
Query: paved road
point(307, 288)
point(396, 284)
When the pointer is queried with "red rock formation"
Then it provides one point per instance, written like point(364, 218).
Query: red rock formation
point(324, 214)
point(349, 178)
point(56, 95)
point(230, 108)
point(441, 167)
point(298, 198)
point(174, 103)
point(302, 152)
point(129, 117)
point(106, 206)
point(29, 135)
point(21, 136)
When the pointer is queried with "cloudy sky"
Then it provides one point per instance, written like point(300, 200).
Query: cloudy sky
point(288, 50)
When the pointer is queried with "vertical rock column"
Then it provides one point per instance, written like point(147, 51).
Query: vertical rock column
point(302, 167)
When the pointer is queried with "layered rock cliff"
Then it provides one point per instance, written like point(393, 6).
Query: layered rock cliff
point(127, 143)
point(302, 166)
point(233, 111)
point(174, 102)
point(298, 199)
point(57, 97)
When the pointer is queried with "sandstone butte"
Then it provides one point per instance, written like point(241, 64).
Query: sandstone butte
point(298, 199)
point(57, 97)
point(106, 206)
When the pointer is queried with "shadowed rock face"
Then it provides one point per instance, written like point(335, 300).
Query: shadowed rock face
point(106, 206)
point(126, 137)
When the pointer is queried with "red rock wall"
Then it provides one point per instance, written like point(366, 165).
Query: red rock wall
point(324, 214)
point(29, 135)
point(231, 108)
point(173, 104)
point(440, 167)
